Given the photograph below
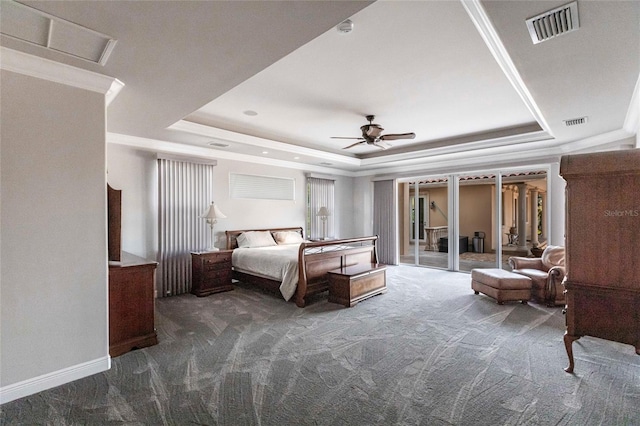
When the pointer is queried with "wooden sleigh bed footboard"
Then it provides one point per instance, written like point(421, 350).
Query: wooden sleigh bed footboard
point(315, 259)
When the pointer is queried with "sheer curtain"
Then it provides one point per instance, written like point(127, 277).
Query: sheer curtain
point(185, 192)
point(320, 193)
point(385, 220)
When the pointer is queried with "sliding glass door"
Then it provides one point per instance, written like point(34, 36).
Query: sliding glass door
point(474, 220)
point(431, 248)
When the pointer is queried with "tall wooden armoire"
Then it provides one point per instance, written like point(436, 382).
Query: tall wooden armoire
point(602, 247)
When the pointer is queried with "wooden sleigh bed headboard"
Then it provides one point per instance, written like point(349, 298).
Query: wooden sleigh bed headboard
point(315, 259)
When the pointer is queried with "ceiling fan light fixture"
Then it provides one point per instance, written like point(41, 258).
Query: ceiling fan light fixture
point(371, 135)
point(345, 27)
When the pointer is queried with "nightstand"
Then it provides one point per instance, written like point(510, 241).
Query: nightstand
point(211, 272)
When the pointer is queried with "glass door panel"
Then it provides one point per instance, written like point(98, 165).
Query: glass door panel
point(434, 253)
point(476, 221)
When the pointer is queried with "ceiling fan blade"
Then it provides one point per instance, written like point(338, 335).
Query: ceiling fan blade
point(341, 137)
point(395, 136)
point(352, 145)
point(382, 145)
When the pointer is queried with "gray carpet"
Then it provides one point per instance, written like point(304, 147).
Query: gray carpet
point(427, 352)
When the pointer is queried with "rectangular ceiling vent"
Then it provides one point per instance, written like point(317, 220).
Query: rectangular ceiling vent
point(33, 26)
point(553, 23)
point(575, 121)
point(218, 144)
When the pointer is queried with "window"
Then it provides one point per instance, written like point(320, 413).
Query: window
point(320, 193)
point(261, 187)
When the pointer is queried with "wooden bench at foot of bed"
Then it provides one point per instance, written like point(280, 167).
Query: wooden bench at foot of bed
point(351, 284)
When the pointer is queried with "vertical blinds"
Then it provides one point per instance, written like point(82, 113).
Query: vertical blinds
point(320, 193)
point(384, 221)
point(185, 192)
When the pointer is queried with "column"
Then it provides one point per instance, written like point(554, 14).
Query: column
point(522, 215)
point(545, 230)
point(533, 196)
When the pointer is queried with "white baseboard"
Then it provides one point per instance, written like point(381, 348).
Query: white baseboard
point(51, 380)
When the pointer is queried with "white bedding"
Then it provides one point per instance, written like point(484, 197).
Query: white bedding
point(275, 262)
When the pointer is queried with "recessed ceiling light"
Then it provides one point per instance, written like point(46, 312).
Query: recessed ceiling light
point(250, 113)
point(296, 158)
point(345, 27)
point(265, 152)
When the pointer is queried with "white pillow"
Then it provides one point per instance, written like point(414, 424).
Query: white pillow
point(255, 239)
point(288, 237)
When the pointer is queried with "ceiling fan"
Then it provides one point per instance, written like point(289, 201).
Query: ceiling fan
point(371, 134)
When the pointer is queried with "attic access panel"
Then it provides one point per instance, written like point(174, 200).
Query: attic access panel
point(33, 26)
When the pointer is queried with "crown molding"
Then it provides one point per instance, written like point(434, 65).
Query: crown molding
point(180, 149)
point(57, 72)
point(609, 141)
point(227, 135)
point(471, 144)
point(483, 24)
point(495, 157)
point(632, 120)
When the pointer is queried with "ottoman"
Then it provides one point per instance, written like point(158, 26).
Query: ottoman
point(503, 286)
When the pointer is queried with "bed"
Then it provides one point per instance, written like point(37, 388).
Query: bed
point(293, 267)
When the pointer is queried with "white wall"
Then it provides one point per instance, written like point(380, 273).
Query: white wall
point(363, 205)
point(557, 205)
point(53, 288)
point(134, 172)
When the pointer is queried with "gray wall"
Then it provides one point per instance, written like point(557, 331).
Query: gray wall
point(53, 305)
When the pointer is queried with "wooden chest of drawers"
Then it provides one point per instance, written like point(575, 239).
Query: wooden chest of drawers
point(602, 239)
point(211, 272)
point(131, 304)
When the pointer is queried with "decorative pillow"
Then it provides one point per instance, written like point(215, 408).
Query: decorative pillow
point(288, 237)
point(255, 239)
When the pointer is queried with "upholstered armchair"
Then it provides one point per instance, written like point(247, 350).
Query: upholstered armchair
point(546, 273)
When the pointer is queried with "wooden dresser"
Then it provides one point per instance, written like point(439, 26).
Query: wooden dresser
point(210, 272)
point(602, 285)
point(131, 304)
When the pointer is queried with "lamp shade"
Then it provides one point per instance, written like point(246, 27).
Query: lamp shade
point(323, 212)
point(213, 213)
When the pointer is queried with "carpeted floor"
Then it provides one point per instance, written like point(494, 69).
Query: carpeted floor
point(427, 352)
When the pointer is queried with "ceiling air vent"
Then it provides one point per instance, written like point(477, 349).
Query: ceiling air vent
point(575, 121)
point(218, 144)
point(553, 23)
